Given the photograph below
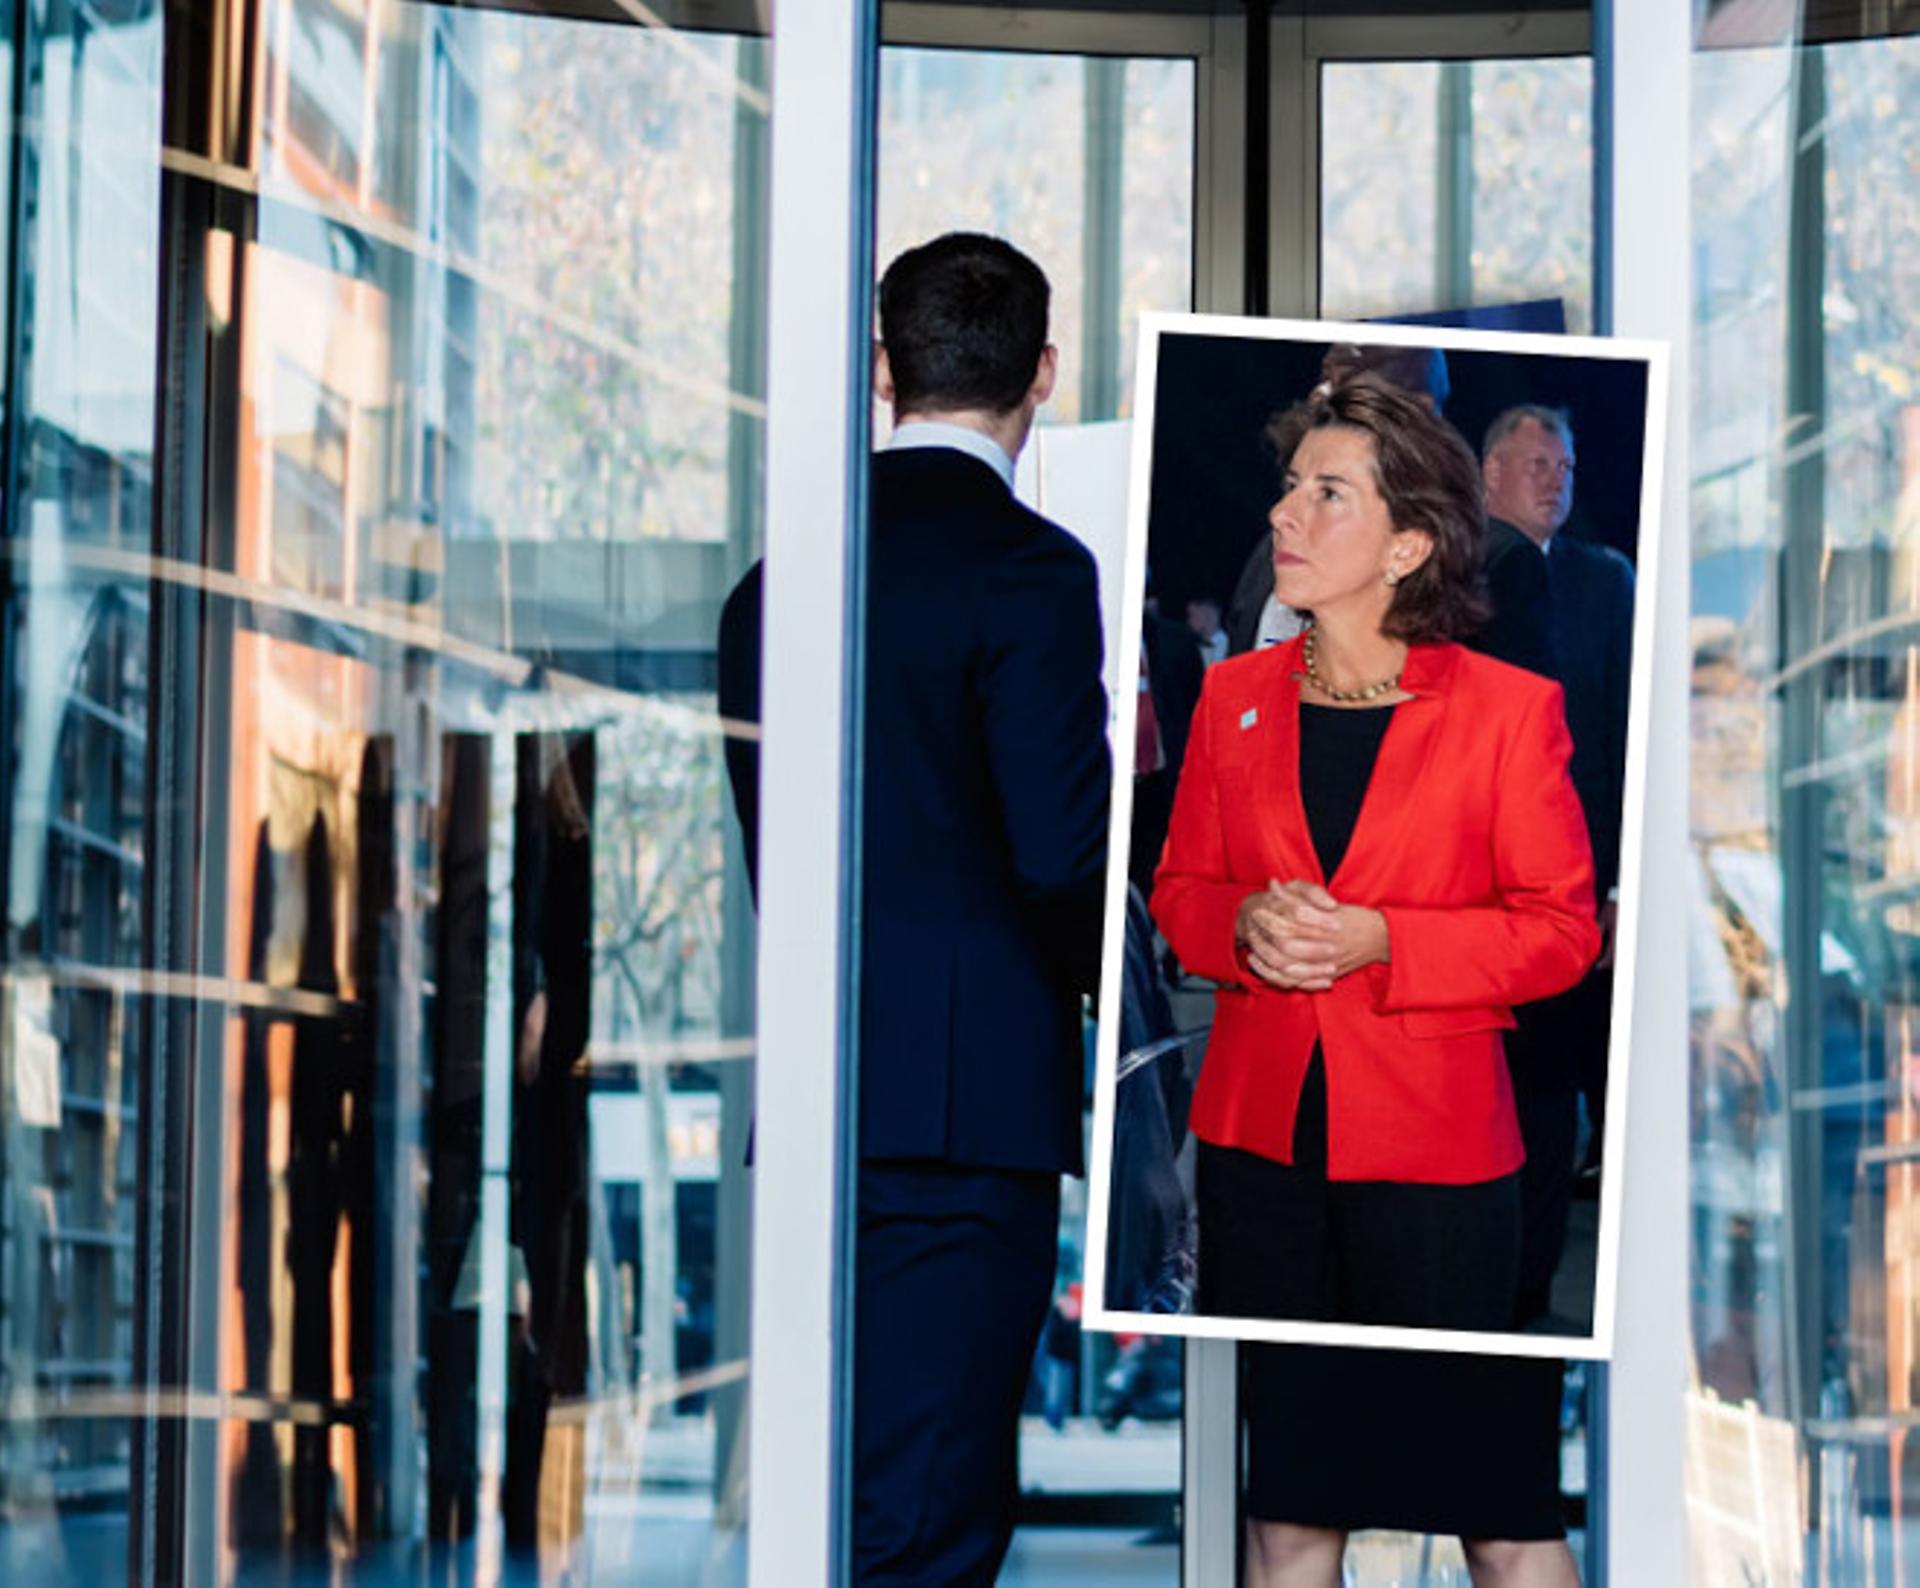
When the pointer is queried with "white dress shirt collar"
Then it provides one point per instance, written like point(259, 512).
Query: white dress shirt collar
point(935, 433)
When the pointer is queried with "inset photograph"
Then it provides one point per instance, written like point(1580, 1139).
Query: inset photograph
point(1374, 871)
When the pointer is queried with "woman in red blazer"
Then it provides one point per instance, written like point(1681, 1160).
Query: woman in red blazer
point(1376, 852)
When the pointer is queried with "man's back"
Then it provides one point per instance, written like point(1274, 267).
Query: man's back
point(1593, 589)
point(985, 796)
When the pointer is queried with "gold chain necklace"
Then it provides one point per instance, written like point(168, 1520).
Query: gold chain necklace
point(1343, 696)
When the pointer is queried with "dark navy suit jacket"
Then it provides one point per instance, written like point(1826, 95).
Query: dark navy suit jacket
point(1520, 631)
point(984, 803)
point(1593, 588)
point(1568, 615)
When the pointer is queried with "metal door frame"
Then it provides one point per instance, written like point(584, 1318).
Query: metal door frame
point(1643, 195)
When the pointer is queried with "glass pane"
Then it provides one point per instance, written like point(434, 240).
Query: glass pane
point(1456, 183)
point(379, 953)
point(75, 699)
point(1448, 185)
point(1806, 698)
point(1087, 165)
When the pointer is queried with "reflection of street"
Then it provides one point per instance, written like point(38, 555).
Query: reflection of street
point(1082, 1459)
point(1136, 1458)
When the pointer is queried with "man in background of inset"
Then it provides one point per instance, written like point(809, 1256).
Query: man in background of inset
point(1560, 1048)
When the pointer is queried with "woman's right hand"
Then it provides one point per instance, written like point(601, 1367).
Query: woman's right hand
point(1287, 938)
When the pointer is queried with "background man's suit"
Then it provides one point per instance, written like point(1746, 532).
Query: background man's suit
point(1592, 588)
point(1520, 630)
point(1566, 613)
point(1175, 670)
point(985, 794)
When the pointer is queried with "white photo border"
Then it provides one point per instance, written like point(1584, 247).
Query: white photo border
point(1597, 1345)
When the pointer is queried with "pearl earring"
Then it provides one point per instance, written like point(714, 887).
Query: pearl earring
point(1392, 577)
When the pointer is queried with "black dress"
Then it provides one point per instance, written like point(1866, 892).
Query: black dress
point(1357, 1438)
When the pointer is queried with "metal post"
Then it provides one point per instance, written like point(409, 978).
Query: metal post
point(1106, 105)
point(746, 526)
point(1803, 801)
point(1650, 45)
point(1256, 229)
point(1210, 1465)
point(820, 318)
point(1597, 1389)
point(1453, 187)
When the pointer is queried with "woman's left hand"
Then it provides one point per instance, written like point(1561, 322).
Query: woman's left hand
point(1350, 936)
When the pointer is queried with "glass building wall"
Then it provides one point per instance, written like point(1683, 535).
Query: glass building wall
point(385, 433)
point(1805, 417)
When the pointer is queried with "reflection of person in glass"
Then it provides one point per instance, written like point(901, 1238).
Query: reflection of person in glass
point(1376, 851)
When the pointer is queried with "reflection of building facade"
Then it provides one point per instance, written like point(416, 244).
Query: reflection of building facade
point(1804, 688)
point(432, 844)
point(77, 718)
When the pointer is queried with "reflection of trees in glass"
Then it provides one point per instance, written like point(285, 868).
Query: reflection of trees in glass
point(607, 180)
point(1739, 199)
point(1533, 183)
point(1156, 227)
point(1872, 299)
point(1378, 231)
point(988, 142)
point(1530, 219)
point(996, 142)
point(658, 871)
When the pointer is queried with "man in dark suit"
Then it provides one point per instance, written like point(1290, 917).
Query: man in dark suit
point(982, 872)
point(1560, 1048)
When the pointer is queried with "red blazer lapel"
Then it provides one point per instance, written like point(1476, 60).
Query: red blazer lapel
point(1283, 820)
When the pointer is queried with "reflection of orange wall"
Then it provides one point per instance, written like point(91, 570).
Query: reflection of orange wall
point(298, 725)
point(298, 718)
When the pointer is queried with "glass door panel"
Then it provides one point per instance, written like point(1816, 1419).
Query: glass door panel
point(1087, 164)
point(1449, 184)
point(1445, 185)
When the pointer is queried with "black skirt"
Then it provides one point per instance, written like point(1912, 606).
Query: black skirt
point(1357, 1438)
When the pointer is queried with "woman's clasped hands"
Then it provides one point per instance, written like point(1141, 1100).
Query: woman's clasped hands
point(1296, 936)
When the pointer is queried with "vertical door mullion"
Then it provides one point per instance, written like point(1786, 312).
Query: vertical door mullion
point(818, 354)
point(1209, 1420)
point(1293, 156)
point(1649, 269)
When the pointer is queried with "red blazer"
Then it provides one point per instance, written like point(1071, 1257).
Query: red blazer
point(1470, 841)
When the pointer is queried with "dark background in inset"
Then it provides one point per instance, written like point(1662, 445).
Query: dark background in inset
point(1214, 477)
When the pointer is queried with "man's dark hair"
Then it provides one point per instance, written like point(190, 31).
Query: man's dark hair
point(1430, 480)
point(964, 322)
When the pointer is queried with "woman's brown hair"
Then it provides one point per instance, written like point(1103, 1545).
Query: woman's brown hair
point(1429, 479)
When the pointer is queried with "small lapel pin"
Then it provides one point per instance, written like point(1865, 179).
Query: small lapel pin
point(1249, 717)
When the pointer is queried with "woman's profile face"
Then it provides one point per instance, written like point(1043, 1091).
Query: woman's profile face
point(1333, 539)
